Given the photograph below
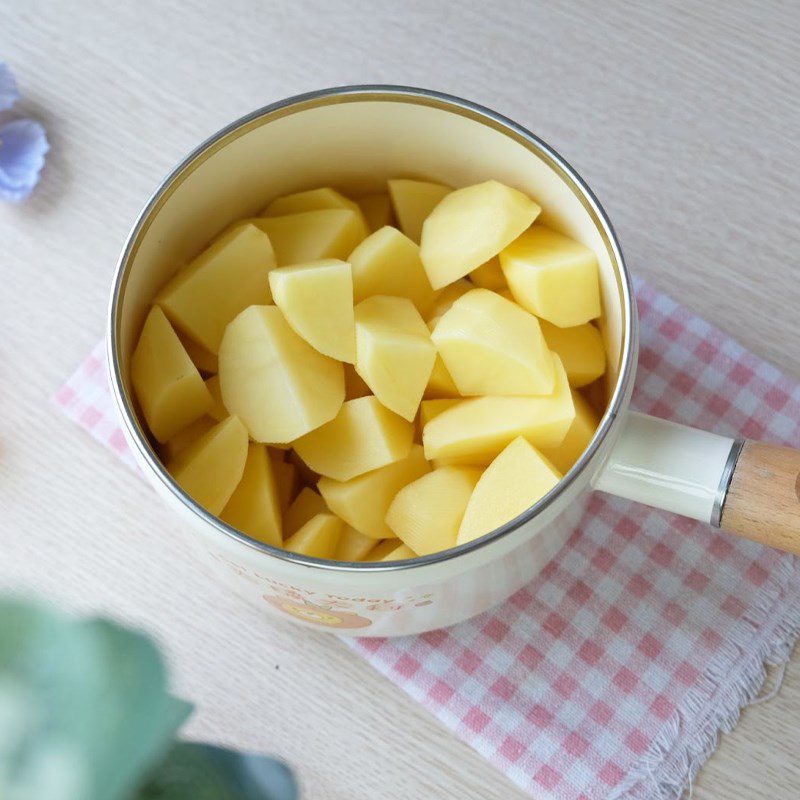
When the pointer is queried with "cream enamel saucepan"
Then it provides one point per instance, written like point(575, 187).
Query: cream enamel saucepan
point(358, 137)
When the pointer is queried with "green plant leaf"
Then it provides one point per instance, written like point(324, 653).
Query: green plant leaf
point(84, 710)
point(195, 771)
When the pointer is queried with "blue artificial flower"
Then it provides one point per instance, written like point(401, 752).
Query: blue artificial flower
point(23, 144)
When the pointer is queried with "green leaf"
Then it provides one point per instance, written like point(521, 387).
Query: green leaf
point(204, 772)
point(84, 710)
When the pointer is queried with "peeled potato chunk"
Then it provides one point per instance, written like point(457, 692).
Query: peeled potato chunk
point(362, 502)
point(222, 281)
point(511, 484)
point(311, 235)
point(482, 426)
point(490, 346)
point(254, 507)
point(309, 200)
point(317, 538)
point(470, 226)
point(317, 301)
point(278, 384)
point(390, 550)
point(394, 352)
point(377, 210)
point(210, 468)
point(413, 201)
point(578, 436)
point(363, 436)
point(181, 440)
point(353, 546)
point(167, 384)
point(305, 506)
point(489, 276)
point(580, 349)
point(218, 410)
point(553, 276)
point(388, 263)
point(426, 514)
point(428, 409)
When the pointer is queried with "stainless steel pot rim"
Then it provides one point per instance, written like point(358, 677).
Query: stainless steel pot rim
point(397, 94)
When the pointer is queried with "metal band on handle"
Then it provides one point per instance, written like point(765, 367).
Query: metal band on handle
point(725, 482)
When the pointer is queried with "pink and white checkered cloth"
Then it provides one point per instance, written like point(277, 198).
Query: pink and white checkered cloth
point(612, 673)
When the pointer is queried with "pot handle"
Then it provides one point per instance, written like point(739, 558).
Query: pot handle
point(748, 488)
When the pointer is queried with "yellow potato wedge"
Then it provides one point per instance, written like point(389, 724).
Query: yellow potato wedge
point(168, 386)
point(230, 275)
point(510, 485)
point(317, 301)
point(362, 502)
point(470, 226)
point(278, 384)
point(363, 436)
point(254, 507)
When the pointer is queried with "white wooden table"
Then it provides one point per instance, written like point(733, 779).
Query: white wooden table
point(685, 123)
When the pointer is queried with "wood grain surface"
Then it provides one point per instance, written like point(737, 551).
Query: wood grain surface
point(682, 117)
point(763, 501)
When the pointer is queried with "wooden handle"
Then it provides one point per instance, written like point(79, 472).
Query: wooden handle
point(763, 500)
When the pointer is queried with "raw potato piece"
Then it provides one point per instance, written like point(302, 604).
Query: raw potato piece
point(311, 235)
point(305, 506)
point(363, 436)
point(489, 276)
point(310, 200)
point(481, 427)
point(387, 262)
point(580, 349)
point(363, 501)
point(427, 513)
point(278, 384)
point(181, 440)
point(218, 410)
point(490, 346)
point(210, 468)
point(254, 507)
point(413, 201)
point(167, 384)
point(578, 436)
point(377, 210)
point(317, 301)
point(553, 276)
point(223, 280)
point(470, 226)
point(390, 550)
point(511, 484)
point(394, 352)
point(317, 538)
point(353, 546)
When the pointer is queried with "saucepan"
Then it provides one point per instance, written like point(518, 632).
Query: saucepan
point(357, 137)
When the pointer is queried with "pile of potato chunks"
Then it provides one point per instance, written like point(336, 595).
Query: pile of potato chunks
point(385, 377)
